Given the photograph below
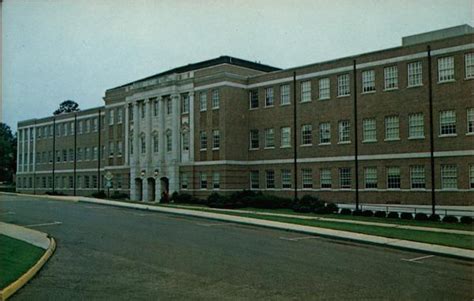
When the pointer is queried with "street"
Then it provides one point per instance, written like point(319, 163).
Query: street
point(115, 253)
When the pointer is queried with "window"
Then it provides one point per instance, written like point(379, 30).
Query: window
point(445, 69)
point(368, 81)
point(64, 155)
point(326, 178)
point(169, 106)
point(203, 101)
point(65, 131)
point(471, 176)
point(184, 104)
point(284, 95)
point(184, 181)
point(417, 177)
point(307, 178)
point(79, 154)
point(59, 128)
point(369, 130)
point(343, 85)
point(416, 127)
point(469, 64)
point(169, 141)
point(254, 141)
point(71, 128)
point(447, 122)
point(470, 120)
point(186, 141)
point(269, 97)
point(87, 153)
point(156, 107)
point(306, 134)
point(215, 99)
point(216, 180)
point(203, 180)
point(142, 143)
point(111, 148)
point(253, 98)
point(111, 116)
point(203, 140)
point(71, 155)
point(393, 177)
point(95, 151)
point(95, 125)
point(80, 127)
point(415, 74)
point(88, 125)
point(86, 182)
point(449, 177)
point(216, 139)
point(269, 138)
point(390, 77)
point(345, 178)
point(306, 91)
point(324, 88)
point(254, 179)
point(392, 128)
point(270, 179)
point(344, 131)
point(324, 133)
point(119, 115)
point(370, 177)
point(285, 178)
point(285, 137)
point(156, 146)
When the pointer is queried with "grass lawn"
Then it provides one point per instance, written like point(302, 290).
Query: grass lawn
point(16, 257)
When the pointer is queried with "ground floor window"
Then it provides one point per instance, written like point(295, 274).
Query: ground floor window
point(307, 177)
point(254, 179)
point(417, 177)
point(449, 176)
point(370, 176)
point(326, 179)
point(285, 178)
point(270, 177)
point(393, 177)
point(203, 183)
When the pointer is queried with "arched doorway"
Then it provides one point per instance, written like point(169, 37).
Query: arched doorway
point(151, 189)
point(165, 189)
point(139, 189)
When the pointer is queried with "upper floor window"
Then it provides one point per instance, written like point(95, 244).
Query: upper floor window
point(269, 97)
point(95, 124)
point(185, 104)
point(269, 138)
point(254, 141)
point(415, 74)
point(142, 109)
point(80, 127)
point(368, 81)
point(306, 134)
point(119, 115)
point(306, 91)
point(390, 77)
point(284, 94)
point(416, 127)
point(344, 131)
point(203, 140)
point(216, 139)
point(369, 130)
point(446, 69)
point(447, 122)
point(169, 141)
point(285, 135)
point(185, 141)
point(203, 101)
point(392, 128)
point(324, 133)
point(253, 98)
point(215, 99)
point(324, 91)
point(469, 64)
point(203, 181)
point(111, 117)
point(71, 128)
point(343, 85)
point(155, 107)
point(155, 142)
point(88, 125)
point(142, 143)
point(470, 120)
point(169, 106)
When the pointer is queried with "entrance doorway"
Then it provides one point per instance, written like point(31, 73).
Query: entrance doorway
point(151, 189)
point(165, 189)
point(139, 189)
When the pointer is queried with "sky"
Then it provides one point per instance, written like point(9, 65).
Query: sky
point(77, 49)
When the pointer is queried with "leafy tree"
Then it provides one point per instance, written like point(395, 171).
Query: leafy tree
point(67, 106)
point(7, 153)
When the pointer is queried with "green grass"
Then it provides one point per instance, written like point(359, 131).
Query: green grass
point(16, 257)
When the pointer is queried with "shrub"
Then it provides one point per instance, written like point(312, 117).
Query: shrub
point(308, 204)
point(215, 200)
point(380, 214)
point(466, 220)
point(54, 193)
point(357, 213)
point(368, 213)
point(392, 215)
point(434, 218)
point(99, 195)
point(450, 219)
point(119, 196)
point(421, 216)
point(345, 211)
point(406, 215)
point(332, 208)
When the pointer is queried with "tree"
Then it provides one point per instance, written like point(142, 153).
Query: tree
point(67, 106)
point(7, 153)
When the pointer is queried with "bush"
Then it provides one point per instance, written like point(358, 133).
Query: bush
point(406, 215)
point(215, 200)
point(99, 195)
point(308, 204)
point(54, 193)
point(380, 214)
point(332, 208)
point(345, 211)
point(357, 213)
point(434, 218)
point(421, 217)
point(368, 213)
point(119, 196)
point(450, 219)
point(466, 220)
point(392, 215)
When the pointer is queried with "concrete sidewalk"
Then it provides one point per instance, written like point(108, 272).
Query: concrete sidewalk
point(36, 238)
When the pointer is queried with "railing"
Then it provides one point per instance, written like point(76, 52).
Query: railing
point(440, 210)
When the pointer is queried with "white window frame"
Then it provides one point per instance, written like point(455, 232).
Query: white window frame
point(416, 126)
point(216, 181)
point(254, 137)
point(470, 121)
point(203, 101)
point(215, 99)
point(392, 128)
point(415, 74)
point(368, 81)
point(253, 99)
point(269, 97)
point(307, 178)
point(216, 139)
point(394, 178)
point(417, 177)
point(449, 177)
point(447, 123)
point(202, 140)
point(285, 137)
point(324, 85)
point(284, 95)
point(306, 134)
point(305, 91)
point(370, 178)
point(469, 65)
point(269, 137)
point(445, 69)
point(390, 78)
point(286, 179)
point(345, 174)
point(344, 130)
point(254, 179)
point(324, 133)
point(343, 85)
point(369, 130)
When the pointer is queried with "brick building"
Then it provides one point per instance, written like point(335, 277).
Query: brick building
point(379, 126)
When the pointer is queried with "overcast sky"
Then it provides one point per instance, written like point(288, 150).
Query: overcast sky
point(76, 49)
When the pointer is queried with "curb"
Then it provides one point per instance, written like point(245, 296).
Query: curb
point(20, 282)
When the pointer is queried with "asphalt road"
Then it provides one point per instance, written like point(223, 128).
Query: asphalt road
point(123, 254)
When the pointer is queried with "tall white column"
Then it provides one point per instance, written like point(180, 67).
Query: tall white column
point(34, 150)
point(126, 129)
point(191, 126)
point(148, 118)
point(28, 156)
point(173, 170)
point(136, 135)
point(162, 129)
point(134, 193)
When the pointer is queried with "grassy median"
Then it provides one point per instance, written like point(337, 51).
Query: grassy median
point(16, 257)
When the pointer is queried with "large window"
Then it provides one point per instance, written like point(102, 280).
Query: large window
point(285, 137)
point(471, 176)
point(324, 133)
point(143, 143)
point(215, 99)
point(156, 107)
point(269, 99)
point(269, 138)
point(119, 115)
point(369, 130)
point(169, 141)
point(184, 181)
point(470, 120)
point(270, 179)
point(370, 177)
point(203, 181)
point(417, 177)
point(368, 81)
point(216, 180)
point(306, 91)
point(142, 109)
point(344, 131)
point(307, 177)
point(416, 127)
point(169, 106)
point(112, 148)
point(449, 177)
point(469, 65)
point(254, 141)
point(390, 77)
point(111, 117)
point(216, 139)
point(185, 142)
point(447, 122)
point(415, 74)
point(393, 177)
point(155, 142)
point(203, 101)
point(203, 140)
point(343, 85)
point(306, 134)
point(446, 69)
point(184, 104)
point(392, 128)
point(253, 98)
point(345, 178)
point(285, 178)
point(285, 94)
point(324, 92)
point(254, 179)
